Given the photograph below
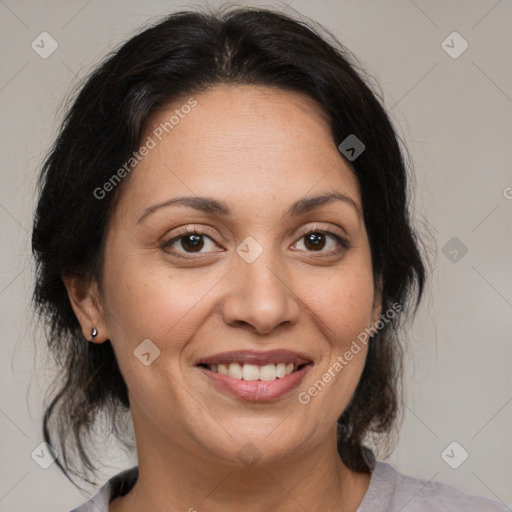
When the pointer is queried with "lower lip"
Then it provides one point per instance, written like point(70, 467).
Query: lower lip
point(257, 390)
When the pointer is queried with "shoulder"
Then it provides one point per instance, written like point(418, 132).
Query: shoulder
point(116, 486)
point(98, 503)
point(391, 491)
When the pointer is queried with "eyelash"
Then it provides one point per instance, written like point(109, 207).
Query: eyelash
point(341, 241)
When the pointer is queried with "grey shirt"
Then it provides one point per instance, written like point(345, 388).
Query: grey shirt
point(389, 491)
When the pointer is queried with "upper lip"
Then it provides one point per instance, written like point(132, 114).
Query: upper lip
point(256, 357)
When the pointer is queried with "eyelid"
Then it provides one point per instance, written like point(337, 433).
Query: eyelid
point(341, 239)
point(323, 228)
point(203, 231)
point(188, 230)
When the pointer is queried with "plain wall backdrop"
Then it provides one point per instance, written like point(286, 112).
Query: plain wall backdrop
point(453, 107)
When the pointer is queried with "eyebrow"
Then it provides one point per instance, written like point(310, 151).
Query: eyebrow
point(215, 207)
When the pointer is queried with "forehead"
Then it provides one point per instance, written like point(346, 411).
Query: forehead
point(247, 143)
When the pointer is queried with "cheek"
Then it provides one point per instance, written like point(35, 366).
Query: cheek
point(150, 302)
point(343, 312)
point(344, 306)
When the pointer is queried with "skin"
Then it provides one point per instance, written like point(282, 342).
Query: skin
point(258, 149)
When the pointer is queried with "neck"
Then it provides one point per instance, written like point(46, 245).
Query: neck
point(174, 478)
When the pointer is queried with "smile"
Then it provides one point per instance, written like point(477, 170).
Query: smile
point(249, 371)
point(256, 376)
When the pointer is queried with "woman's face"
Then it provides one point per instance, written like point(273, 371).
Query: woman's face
point(248, 160)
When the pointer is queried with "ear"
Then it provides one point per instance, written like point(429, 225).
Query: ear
point(377, 300)
point(84, 298)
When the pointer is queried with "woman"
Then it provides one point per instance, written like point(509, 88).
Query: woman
point(224, 218)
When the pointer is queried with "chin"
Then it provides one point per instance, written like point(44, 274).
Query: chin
point(260, 447)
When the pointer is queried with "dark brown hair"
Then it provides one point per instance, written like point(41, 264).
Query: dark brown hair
point(183, 54)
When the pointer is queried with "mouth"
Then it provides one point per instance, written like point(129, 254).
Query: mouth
point(256, 376)
point(251, 372)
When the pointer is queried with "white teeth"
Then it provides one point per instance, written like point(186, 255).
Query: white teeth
point(221, 368)
point(250, 372)
point(266, 372)
point(235, 371)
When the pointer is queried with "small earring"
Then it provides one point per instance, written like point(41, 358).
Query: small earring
point(94, 333)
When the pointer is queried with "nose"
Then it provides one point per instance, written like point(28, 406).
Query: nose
point(260, 295)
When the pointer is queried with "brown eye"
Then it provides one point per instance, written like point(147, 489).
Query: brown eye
point(189, 242)
point(314, 241)
point(194, 243)
point(317, 240)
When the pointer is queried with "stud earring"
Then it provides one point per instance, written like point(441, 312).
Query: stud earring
point(94, 333)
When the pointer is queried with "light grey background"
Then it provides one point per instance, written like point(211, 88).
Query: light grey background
point(455, 117)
